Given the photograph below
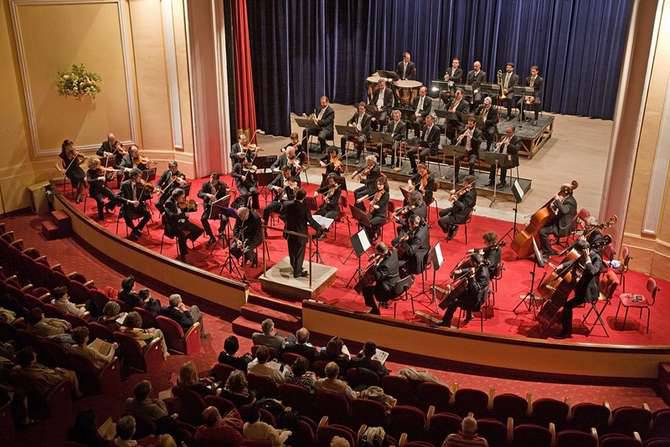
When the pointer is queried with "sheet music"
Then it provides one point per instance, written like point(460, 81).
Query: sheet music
point(325, 222)
point(365, 242)
point(380, 356)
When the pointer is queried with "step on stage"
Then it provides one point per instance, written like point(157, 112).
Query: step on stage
point(279, 280)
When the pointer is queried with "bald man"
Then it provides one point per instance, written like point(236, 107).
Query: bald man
point(475, 78)
point(248, 234)
point(110, 147)
point(325, 119)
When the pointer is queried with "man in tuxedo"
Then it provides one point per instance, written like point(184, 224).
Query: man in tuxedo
point(398, 130)
point(133, 197)
point(454, 74)
point(110, 147)
point(177, 224)
point(412, 251)
point(245, 181)
point(325, 119)
point(170, 180)
point(361, 121)
point(536, 82)
point(475, 78)
point(387, 278)
point(298, 218)
point(428, 143)
point(458, 108)
point(487, 116)
point(509, 81)
point(283, 188)
point(460, 209)
point(210, 192)
point(185, 316)
point(406, 68)
point(471, 139)
point(508, 146)
point(369, 180)
point(382, 102)
point(238, 151)
point(422, 106)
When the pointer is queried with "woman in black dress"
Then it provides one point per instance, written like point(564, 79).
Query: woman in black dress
point(71, 160)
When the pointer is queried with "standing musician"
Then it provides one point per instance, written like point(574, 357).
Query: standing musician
point(475, 78)
point(508, 81)
point(422, 106)
point(533, 102)
point(331, 191)
point(427, 144)
point(458, 108)
point(369, 176)
point(380, 104)
point(508, 145)
point(296, 146)
point(71, 160)
point(96, 176)
point(471, 139)
point(454, 74)
point(134, 192)
point(283, 188)
point(423, 182)
point(171, 179)
point(464, 200)
point(248, 234)
point(381, 283)
point(473, 294)
point(406, 69)
point(361, 121)
point(298, 218)
point(564, 208)
point(241, 150)
point(378, 208)
point(176, 222)
point(487, 116)
point(413, 246)
point(492, 253)
point(324, 119)
point(244, 174)
point(112, 147)
point(398, 130)
point(210, 192)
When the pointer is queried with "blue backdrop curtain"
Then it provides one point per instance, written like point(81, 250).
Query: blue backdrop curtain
point(302, 49)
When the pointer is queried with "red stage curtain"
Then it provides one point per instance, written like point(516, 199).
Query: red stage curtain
point(244, 92)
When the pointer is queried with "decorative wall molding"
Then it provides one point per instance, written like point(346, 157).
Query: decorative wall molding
point(172, 75)
point(37, 150)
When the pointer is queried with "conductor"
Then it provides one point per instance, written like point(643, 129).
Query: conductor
point(298, 218)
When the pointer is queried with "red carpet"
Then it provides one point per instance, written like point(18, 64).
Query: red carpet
point(515, 281)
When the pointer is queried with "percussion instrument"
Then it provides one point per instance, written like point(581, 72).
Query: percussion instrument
point(372, 81)
point(407, 90)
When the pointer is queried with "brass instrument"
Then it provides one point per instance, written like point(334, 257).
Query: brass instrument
point(530, 100)
point(499, 81)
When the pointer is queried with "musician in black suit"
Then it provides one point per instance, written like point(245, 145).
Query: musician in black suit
point(509, 146)
point(361, 121)
point(248, 234)
point(588, 286)
point(133, 195)
point(492, 254)
point(536, 82)
point(406, 69)
point(414, 246)
point(382, 103)
point(177, 224)
point(111, 146)
point(458, 108)
point(171, 179)
point(369, 176)
point(471, 139)
point(240, 150)
point(475, 78)
point(509, 80)
point(210, 192)
point(422, 106)
point(385, 278)
point(414, 205)
point(487, 116)
point(331, 161)
point(378, 209)
point(427, 144)
point(331, 192)
point(398, 130)
point(564, 207)
point(474, 293)
point(296, 146)
point(460, 210)
point(283, 188)
point(298, 218)
point(132, 160)
point(454, 74)
point(424, 182)
point(325, 119)
point(97, 188)
point(245, 181)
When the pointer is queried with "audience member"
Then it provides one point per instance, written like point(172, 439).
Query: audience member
point(365, 360)
point(188, 378)
point(262, 365)
point(332, 384)
point(269, 337)
point(467, 437)
point(182, 314)
point(127, 296)
point(301, 345)
point(339, 441)
point(301, 375)
point(166, 440)
point(151, 304)
point(125, 430)
point(336, 351)
point(62, 302)
point(227, 356)
point(141, 404)
point(81, 336)
point(215, 432)
point(46, 327)
point(111, 312)
point(85, 430)
point(35, 378)
point(237, 389)
point(256, 430)
point(132, 325)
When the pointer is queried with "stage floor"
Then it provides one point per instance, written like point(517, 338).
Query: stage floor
point(515, 281)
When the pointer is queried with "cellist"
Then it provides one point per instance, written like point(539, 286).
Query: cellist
point(564, 208)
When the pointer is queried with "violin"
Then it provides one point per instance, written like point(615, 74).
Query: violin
point(457, 194)
point(187, 205)
point(119, 149)
point(363, 172)
point(74, 154)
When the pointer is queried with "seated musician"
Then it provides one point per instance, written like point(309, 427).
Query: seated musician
point(471, 139)
point(564, 208)
point(296, 146)
point(171, 179)
point(422, 106)
point(133, 160)
point(133, 194)
point(380, 104)
point(587, 289)
point(369, 176)
point(406, 69)
point(288, 158)
point(492, 253)
point(210, 192)
point(283, 188)
point(248, 234)
point(332, 163)
point(97, 188)
point(244, 174)
point(382, 285)
point(471, 297)
point(398, 130)
point(413, 246)
point(423, 182)
point(70, 160)
point(509, 146)
point(428, 143)
point(458, 108)
point(414, 205)
point(487, 116)
point(241, 150)
point(177, 224)
point(534, 102)
point(464, 201)
point(331, 191)
point(475, 78)
point(454, 74)
point(361, 121)
point(324, 119)
point(509, 81)
point(377, 209)
point(112, 147)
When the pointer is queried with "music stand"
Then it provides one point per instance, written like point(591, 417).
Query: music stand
point(499, 160)
point(265, 161)
point(325, 223)
point(523, 92)
point(380, 139)
point(308, 124)
point(437, 259)
point(360, 245)
point(456, 152)
point(233, 265)
point(348, 132)
point(530, 299)
point(439, 86)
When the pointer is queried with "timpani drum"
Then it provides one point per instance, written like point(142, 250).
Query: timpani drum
point(407, 90)
point(373, 80)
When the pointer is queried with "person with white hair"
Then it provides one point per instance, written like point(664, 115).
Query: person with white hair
point(467, 437)
point(339, 441)
point(182, 314)
point(268, 337)
point(487, 117)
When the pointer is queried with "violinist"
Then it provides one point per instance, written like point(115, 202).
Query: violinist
point(241, 150)
point(71, 160)
point(428, 143)
point(413, 246)
point(369, 176)
point(378, 208)
point(487, 115)
point(96, 176)
point(210, 192)
point(298, 218)
point(384, 278)
point(176, 221)
point(248, 234)
point(398, 130)
point(361, 122)
point(464, 200)
point(244, 174)
point(472, 296)
point(587, 289)
point(471, 139)
point(564, 208)
point(112, 147)
point(134, 193)
point(283, 188)
point(296, 146)
point(171, 179)
point(414, 205)
point(331, 192)
point(324, 119)
point(332, 163)
point(288, 158)
point(492, 253)
point(509, 146)
point(423, 182)
point(133, 160)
